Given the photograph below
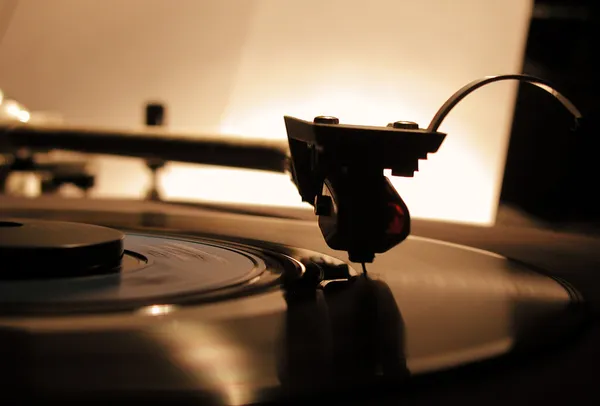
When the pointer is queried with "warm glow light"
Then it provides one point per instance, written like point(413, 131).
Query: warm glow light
point(386, 72)
point(14, 109)
point(11, 107)
point(157, 310)
point(23, 116)
point(229, 185)
point(366, 63)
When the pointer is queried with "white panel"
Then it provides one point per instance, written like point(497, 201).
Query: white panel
point(380, 61)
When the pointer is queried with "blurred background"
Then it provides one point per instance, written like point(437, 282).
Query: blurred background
point(238, 66)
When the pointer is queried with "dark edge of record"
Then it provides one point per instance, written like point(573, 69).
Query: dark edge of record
point(578, 312)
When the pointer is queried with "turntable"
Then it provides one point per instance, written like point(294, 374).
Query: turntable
point(129, 300)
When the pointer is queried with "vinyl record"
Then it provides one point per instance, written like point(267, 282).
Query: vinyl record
point(210, 309)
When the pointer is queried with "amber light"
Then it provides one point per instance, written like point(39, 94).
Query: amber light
point(239, 67)
point(387, 71)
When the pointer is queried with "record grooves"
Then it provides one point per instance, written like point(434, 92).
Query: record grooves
point(153, 270)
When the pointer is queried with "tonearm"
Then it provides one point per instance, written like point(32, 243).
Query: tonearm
point(339, 168)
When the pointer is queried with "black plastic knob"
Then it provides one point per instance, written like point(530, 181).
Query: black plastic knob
point(326, 120)
point(407, 125)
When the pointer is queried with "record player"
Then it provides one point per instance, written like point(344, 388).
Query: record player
point(130, 300)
